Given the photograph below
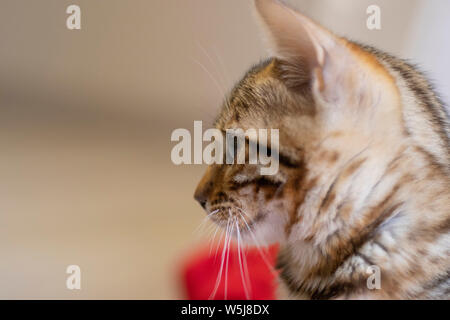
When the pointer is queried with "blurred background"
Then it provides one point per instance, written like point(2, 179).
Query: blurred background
point(86, 117)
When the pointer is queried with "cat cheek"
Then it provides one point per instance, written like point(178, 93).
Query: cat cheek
point(246, 192)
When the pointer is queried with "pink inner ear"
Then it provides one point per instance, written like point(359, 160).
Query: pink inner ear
point(287, 31)
point(301, 42)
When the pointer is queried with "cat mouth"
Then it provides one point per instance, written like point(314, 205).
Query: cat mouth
point(226, 216)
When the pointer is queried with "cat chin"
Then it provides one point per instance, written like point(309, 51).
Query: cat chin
point(268, 232)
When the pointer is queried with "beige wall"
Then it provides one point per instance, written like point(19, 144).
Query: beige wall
point(138, 56)
point(85, 123)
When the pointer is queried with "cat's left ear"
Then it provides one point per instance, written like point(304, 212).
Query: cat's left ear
point(314, 54)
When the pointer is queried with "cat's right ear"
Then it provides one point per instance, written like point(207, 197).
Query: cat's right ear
point(313, 54)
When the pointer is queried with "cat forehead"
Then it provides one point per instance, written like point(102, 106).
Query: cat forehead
point(255, 99)
point(257, 85)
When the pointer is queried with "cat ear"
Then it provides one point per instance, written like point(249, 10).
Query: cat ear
point(312, 53)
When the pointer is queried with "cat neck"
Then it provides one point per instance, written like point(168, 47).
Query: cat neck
point(349, 217)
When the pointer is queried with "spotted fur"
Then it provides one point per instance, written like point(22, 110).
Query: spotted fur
point(364, 166)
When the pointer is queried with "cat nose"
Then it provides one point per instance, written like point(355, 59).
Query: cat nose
point(201, 197)
point(205, 187)
point(203, 192)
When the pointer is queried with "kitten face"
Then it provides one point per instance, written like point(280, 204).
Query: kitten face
point(320, 92)
point(239, 193)
point(363, 166)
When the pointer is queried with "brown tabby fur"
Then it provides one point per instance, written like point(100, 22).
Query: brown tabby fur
point(361, 185)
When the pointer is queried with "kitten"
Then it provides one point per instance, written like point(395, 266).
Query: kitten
point(364, 166)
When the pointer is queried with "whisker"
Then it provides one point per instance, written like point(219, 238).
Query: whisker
point(244, 282)
point(214, 64)
point(219, 276)
point(279, 188)
point(258, 247)
point(243, 212)
point(247, 274)
point(213, 239)
point(226, 265)
point(204, 220)
point(259, 244)
point(245, 254)
point(221, 91)
point(209, 230)
point(218, 243)
point(222, 65)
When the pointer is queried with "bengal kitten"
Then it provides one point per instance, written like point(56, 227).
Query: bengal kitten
point(364, 166)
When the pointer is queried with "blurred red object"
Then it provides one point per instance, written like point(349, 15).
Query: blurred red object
point(202, 280)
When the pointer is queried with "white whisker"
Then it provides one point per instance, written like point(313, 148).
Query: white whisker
point(222, 65)
point(247, 274)
point(203, 222)
point(211, 243)
point(245, 254)
point(214, 64)
point(216, 83)
point(219, 276)
point(258, 247)
point(244, 282)
point(218, 243)
point(228, 258)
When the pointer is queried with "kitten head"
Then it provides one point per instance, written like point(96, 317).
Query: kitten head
point(327, 97)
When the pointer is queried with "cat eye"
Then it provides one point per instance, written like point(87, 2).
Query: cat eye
point(232, 146)
point(243, 151)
